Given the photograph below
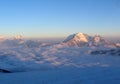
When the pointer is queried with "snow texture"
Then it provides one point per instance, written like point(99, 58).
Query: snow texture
point(93, 61)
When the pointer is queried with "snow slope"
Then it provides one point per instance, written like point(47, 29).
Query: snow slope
point(92, 75)
point(33, 62)
point(82, 40)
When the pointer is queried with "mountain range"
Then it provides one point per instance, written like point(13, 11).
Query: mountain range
point(73, 40)
point(84, 40)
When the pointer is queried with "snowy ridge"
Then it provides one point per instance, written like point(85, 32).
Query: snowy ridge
point(80, 59)
point(78, 36)
point(82, 40)
point(21, 55)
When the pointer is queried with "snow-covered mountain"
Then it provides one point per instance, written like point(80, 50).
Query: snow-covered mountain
point(13, 42)
point(77, 50)
point(19, 41)
point(83, 40)
point(74, 40)
point(98, 40)
point(79, 39)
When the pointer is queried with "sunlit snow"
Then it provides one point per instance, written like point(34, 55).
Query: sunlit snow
point(60, 63)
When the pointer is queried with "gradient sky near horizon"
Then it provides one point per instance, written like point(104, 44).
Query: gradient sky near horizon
point(58, 18)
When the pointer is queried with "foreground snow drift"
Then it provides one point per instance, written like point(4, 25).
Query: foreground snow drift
point(91, 75)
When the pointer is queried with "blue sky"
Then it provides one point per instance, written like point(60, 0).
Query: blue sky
point(58, 18)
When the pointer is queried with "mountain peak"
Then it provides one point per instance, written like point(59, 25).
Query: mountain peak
point(82, 39)
point(97, 38)
point(78, 37)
